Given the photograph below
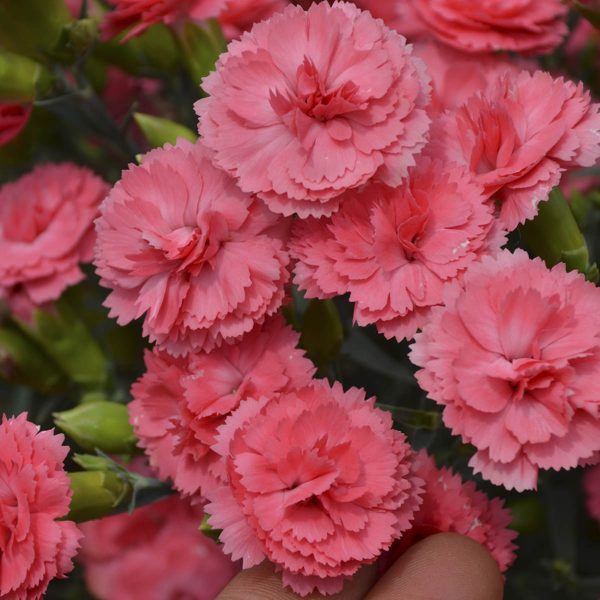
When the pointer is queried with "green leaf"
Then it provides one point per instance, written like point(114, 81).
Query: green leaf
point(64, 336)
point(322, 331)
point(22, 79)
point(159, 131)
point(99, 426)
point(201, 45)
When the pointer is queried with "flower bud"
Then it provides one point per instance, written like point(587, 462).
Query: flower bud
point(555, 236)
point(160, 131)
point(98, 426)
point(96, 494)
point(22, 79)
point(82, 34)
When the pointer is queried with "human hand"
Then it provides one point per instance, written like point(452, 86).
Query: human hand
point(445, 566)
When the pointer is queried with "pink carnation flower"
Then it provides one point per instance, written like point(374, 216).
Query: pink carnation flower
point(13, 118)
point(35, 546)
point(455, 76)
point(319, 483)
point(394, 249)
point(156, 553)
point(514, 358)
point(179, 403)
point(451, 505)
point(141, 14)
point(310, 104)
point(524, 26)
point(46, 231)
point(591, 485)
point(240, 15)
point(519, 136)
point(180, 244)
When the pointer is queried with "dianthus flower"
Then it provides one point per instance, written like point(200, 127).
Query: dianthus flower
point(514, 358)
point(155, 553)
point(319, 483)
point(523, 26)
point(13, 118)
point(181, 245)
point(141, 14)
point(240, 15)
point(591, 486)
point(312, 103)
point(46, 231)
point(180, 403)
point(452, 505)
point(518, 136)
point(35, 547)
point(394, 249)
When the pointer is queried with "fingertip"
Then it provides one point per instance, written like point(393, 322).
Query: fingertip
point(445, 566)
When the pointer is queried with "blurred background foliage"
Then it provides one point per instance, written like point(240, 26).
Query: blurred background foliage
point(77, 359)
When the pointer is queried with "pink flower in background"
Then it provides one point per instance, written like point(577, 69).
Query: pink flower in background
point(180, 403)
point(182, 246)
point(13, 118)
point(240, 15)
point(394, 249)
point(524, 26)
point(591, 486)
point(310, 104)
point(519, 136)
point(453, 505)
point(455, 76)
point(46, 231)
point(514, 358)
point(319, 483)
point(156, 553)
point(141, 14)
point(35, 546)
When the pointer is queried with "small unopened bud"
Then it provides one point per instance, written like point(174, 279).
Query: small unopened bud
point(555, 236)
point(98, 426)
point(96, 494)
point(82, 35)
point(160, 131)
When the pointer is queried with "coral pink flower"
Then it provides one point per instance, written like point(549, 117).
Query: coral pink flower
point(455, 76)
point(141, 14)
point(156, 553)
point(394, 249)
point(591, 485)
point(514, 358)
point(519, 136)
point(451, 505)
point(310, 104)
point(179, 243)
point(524, 26)
point(13, 118)
point(239, 15)
point(179, 403)
point(35, 547)
point(46, 230)
point(319, 483)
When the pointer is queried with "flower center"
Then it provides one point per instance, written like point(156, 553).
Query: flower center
point(413, 226)
point(531, 374)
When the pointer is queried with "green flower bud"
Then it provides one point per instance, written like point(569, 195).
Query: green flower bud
point(555, 236)
point(96, 494)
point(160, 131)
point(82, 35)
point(98, 425)
point(22, 79)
